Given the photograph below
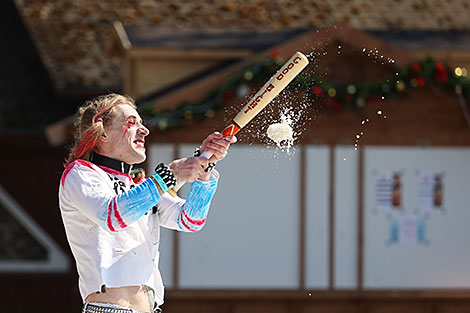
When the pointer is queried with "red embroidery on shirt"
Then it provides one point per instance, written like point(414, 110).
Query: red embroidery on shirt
point(118, 216)
point(110, 223)
point(71, 165)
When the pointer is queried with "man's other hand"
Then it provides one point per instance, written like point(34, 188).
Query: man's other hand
point(188, 169)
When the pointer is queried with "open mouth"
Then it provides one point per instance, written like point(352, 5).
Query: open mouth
point(140, 143)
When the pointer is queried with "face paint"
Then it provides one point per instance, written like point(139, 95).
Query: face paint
point(129, 124)
point(125, 136)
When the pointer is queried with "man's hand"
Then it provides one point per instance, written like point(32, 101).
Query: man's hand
point(188, 169)
point(217, 145)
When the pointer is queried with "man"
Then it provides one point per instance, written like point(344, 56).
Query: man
point(112, 223)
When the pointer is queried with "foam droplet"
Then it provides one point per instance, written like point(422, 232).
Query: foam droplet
point(379, 112)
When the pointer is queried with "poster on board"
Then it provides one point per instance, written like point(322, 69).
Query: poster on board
point(408, 230)
point(388, 190)
point(430, 191)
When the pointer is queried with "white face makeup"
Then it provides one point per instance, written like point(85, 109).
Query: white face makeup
point(124, 138)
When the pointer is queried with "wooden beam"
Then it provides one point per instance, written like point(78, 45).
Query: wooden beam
point(121, 36)
point(212, 294)
point(188, 54)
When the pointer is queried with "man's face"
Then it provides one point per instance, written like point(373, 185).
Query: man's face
point(125, 136)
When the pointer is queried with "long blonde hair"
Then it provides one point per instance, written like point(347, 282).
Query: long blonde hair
point(89, 124)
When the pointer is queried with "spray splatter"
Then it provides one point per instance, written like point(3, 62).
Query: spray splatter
point(283, 122)
point(281, 134)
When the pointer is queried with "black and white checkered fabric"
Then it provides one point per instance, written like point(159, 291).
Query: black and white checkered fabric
point(165, 173)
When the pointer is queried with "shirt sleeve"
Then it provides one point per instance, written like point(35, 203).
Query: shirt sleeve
point(188, 215)
point(88, 191)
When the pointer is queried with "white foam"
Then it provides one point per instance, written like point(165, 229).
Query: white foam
point(280, 132)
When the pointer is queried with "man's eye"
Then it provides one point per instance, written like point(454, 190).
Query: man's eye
point(130, 122)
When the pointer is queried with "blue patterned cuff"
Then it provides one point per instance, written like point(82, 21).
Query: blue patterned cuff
point(194, 212)
point(160, 182)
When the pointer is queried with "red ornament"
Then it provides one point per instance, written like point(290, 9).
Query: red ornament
point(317, 90)
point(441, 77)
point(421, 81)
point(416, 67)
point(274, 54)
point(444, 77)
point(348, 98)
point(440, 67)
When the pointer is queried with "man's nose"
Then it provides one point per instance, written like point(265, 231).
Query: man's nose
point(144, 131)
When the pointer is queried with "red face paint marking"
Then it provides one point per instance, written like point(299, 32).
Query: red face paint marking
point(128, 126)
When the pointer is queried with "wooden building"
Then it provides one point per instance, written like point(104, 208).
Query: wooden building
point(312, 248)
point(421, 119)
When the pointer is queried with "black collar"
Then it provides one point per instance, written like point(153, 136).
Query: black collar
point(114, 164)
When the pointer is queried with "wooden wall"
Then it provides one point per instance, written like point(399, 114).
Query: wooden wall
point(30, 174)
point(311, 301)
point(422, 116)
point(426, 116)
point(151, 70)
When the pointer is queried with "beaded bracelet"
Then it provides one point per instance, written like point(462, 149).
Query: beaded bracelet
point(164, 177)
point(210, 166)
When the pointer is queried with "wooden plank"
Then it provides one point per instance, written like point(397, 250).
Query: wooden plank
point(325, 305)
point(289, 294)
point(152, 53)
point(121, 36)
point(153, 75)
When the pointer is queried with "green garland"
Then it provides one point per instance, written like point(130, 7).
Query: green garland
point(420, 73)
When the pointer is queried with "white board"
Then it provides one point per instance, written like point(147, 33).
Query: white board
point(251, 238)
point(345, 217)
point(163, 153)
point(442, 259)
point(317, 216)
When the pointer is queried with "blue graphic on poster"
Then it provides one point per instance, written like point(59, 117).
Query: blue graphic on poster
point(408, 230)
